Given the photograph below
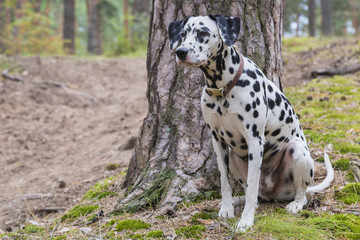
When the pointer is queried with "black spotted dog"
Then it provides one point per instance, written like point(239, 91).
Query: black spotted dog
point(255, 132)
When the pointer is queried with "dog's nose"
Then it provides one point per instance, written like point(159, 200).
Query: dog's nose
point(182, 53)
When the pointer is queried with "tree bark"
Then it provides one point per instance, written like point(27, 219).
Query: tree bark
point(312, 17)
point(173, 158)
point(326, 21)
point(69, 26)
point(140, 7)
point(354, 4)
point(126, 20)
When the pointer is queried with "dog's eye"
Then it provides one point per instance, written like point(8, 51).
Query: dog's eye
point(203, 34)
point(183, 34)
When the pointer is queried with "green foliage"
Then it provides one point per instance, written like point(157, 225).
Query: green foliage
point(349, 194)
point(60, 238)
point(155, 234)
point(31, 34)
point(78, 211)
point(193, 231)
point(33, 229)
point(131, 224)
point(342, 164)
point(98, 191)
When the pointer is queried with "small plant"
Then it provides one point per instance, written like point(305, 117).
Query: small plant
point(131, 224)
point(78, 211)
point(194, 231)
point(349, 194)
point(155, 234)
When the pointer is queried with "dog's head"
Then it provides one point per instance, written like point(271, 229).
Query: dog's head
point(196, 39)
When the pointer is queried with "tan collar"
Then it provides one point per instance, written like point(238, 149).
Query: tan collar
point(223, 91)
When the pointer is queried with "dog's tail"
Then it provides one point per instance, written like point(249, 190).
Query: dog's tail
point(328, 179)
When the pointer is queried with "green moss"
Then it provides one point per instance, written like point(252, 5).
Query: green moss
point(342, 164)
point(33, 229)
point(349, 194)
point(194, 231)
point(155, 234)
point(78, 211)
point(131, 224)
point(340, 225)
point(300, 44)
point(98, 191)
point(59, 238)
point(203, 216)
point(350, 176)
point(277, 225)
point(136, 236)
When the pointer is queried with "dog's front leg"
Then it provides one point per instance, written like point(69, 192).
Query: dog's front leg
point(222, 155)
point(251, 193)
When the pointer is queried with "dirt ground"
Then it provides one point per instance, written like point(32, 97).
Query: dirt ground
point(62, 128)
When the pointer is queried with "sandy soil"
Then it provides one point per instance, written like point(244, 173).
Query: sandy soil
point(62, 127)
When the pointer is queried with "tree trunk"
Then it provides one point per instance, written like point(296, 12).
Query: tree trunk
point(93, 44)
point(140, 7)
point(69, 26)
point(37, 5)
point(355, 15)
point(312, 17)
point(173, 159)
point(126, 21)
point(326, 25)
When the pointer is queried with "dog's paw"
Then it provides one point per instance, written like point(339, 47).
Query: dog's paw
point(294, 206)
point(226, 211)
point(244, 224)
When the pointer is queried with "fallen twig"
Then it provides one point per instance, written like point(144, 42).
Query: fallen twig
point(336, 71)
point(5, 74)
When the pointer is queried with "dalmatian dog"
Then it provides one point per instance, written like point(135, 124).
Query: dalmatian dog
point(256, 134)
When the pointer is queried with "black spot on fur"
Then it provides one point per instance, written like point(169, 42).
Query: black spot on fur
point(251, 74)
point(254, 104)
point(226, 160)
point(256, 114)
point(270, 88)
point(223, 144)
point(240, 117)
point(289, 120)
point(293, 131)
point(219, 110)
point(276, 132)
point(311, 173)
point(233, 143)
point(229, 134)
point(292, 150)
point(256, 87)
point(210, 105)
point(243, 83)
point(255, 131)
point(231, 70)
point(252, 94)
point(257, 101)
point(251, 157)
point(281, 139)
point(248, 107)
point(277, 99)
point(215, 136)
point(271, 103)
point(259, 73)
point(282, 115)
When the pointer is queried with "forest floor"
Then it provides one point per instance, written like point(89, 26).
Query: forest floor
point(70, 123)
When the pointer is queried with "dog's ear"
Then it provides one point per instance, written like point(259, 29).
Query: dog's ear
point(174, 31)
point(229, 28)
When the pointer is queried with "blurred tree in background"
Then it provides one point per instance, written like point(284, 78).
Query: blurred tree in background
point(116, 27)
point(321, 17)
point(110, 27)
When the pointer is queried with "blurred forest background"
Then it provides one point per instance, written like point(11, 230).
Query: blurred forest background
point(117, 27)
